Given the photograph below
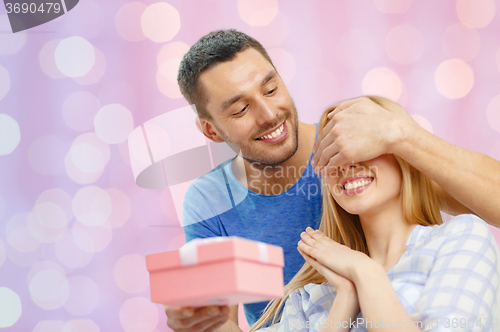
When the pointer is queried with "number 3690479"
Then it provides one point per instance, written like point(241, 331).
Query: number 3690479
point(31, 7)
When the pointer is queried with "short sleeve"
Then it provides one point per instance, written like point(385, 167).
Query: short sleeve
point(193, 209)
point(460, 291)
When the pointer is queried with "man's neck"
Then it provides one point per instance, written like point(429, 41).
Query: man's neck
point(274, 180)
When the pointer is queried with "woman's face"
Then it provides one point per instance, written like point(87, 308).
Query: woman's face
point(368, 187)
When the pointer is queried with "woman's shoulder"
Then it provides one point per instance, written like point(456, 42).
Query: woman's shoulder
point(464, 224)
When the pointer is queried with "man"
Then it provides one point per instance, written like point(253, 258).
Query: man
point(241, 99)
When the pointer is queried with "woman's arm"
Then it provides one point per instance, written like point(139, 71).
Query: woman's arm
point(381, 308)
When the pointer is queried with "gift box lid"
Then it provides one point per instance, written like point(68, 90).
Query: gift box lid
point(214, 249)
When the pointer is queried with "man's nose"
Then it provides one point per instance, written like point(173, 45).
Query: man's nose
point(266, 112)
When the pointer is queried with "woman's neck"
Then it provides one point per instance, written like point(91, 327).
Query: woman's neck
point(386, 232)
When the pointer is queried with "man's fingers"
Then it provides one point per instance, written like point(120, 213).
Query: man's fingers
point(212, 322)
point(343, 105)
point(322, 135)
point(328, 137)
point(179, 312)
point(326, 155)
point(178, 321)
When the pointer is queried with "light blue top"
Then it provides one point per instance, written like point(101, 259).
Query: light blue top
point(447, 279)
point(217, 204)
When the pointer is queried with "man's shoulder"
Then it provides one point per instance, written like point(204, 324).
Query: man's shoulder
point(216, 177)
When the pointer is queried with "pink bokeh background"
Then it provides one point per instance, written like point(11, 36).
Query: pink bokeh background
point(74, 225)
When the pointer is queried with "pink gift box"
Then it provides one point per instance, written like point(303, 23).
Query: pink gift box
point(218, 270)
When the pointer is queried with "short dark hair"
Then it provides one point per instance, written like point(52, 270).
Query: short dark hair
point(214, 48)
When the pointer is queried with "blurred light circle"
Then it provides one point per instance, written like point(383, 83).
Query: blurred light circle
point(272, 34)
point(46, 155)
point(493, 113)
point(356, 50)
point(4, 81)
point(74, 56)
point(92, 206)
point(174, 50)
point(83, 296)
point(25, 259)
point(59, 197)
point(131, 274)
point(49, 289)
point(87, 158)
point(47, 59)
point(423, 122)
point(69, 254)
point(257, 12)
point(97, 71)
point(476, 13)
point(118, 92)
point(495, 150)
point(121, 208)
point(79, 110)
point(77, 174)
point(177, 242)
point(47, 222)
point(81, 325)
point(460, 41)
point(124, 155)
point(113, 123)
point(92, 239)
point(404, 44)
point(11, 43)
point(88, 22)
point(128, 21)
point(93, 139)
point(43, 266)
point(18, 234)
point(138, 314)
point(454, 78)
point(160, 22)
point(166, 78)
point(10, 134)
point(49, 326)
point(3, 254)
point(284, 62)
point(76, 171)
point(393, 6)
point(382, 82)
point(11, 307)
point(22, 240)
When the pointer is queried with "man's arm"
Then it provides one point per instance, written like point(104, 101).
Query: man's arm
point(469, 180)
point(361, 130)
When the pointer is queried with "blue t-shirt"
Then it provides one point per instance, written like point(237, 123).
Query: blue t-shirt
point(217, 204)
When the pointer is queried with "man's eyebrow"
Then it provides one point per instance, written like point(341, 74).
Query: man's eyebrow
point(268, 77)
point(234, 99)
point(231, 101)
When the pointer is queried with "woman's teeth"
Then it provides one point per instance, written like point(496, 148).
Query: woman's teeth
point(274, 134)
point(356, 184)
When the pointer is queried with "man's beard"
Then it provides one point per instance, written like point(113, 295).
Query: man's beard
point(260, 159)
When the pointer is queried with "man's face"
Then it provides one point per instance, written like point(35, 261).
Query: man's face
point(251, 107)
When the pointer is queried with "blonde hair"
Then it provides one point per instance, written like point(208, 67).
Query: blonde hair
point(420, 204)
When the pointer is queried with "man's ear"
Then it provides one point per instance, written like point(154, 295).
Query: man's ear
point(207, 129)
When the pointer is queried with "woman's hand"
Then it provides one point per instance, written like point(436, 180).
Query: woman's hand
point(335, 256)
point(341, 284)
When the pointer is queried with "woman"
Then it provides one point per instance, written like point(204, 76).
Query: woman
point(383, 259)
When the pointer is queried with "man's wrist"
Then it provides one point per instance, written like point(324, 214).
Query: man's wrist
point(402, 131)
